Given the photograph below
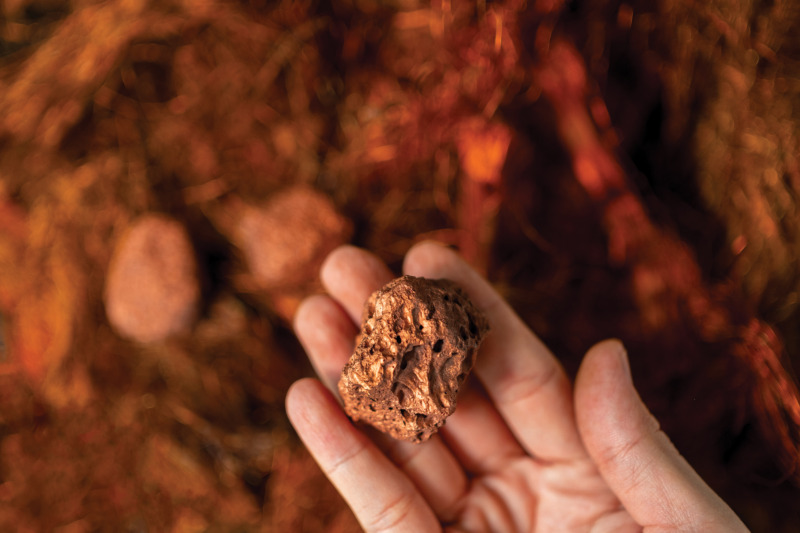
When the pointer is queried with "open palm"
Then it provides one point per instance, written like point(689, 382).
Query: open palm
point(522, 452)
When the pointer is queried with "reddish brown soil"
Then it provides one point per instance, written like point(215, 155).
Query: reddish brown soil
point(614, 169)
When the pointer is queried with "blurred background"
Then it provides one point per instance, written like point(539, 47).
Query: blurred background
point(173, 172)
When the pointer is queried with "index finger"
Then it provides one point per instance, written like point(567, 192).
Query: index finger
point(380, 495)
point(526, 383)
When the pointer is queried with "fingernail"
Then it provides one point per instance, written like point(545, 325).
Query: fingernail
point(626, 364)
point(622, 354)
point(440, 244)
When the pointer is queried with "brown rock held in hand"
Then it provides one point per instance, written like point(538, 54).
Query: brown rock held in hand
point(417, 344)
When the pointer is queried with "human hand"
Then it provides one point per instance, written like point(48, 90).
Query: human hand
point(529, 454)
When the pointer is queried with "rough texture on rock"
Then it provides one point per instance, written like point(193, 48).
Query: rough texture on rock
point(418, 342)
point(152, 290)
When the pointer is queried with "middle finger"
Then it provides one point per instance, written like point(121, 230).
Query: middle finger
point(526, 383)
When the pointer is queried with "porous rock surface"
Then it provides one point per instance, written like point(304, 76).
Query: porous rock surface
point(418, 342)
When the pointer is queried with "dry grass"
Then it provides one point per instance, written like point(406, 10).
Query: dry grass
point(615, 169)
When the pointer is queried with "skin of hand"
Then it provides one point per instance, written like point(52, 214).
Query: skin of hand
point(524, 451)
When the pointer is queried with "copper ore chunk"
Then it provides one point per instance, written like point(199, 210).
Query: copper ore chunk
point(417, 344)
point(152, 290)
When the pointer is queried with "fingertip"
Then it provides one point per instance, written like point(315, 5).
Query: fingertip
point(298, 397)
point(350, 275)
point(292, 396)
point(612, 344)
point(312, 408)
point(608, 348)
point(606, 358)
point(427, 257)
point(608, 410)
point(305, 312)
point(326, 333)
point(598, 392)
point(314, 321)
point(336, 262)
point(319, 421)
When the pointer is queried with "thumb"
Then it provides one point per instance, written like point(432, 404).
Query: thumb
point(641, 466)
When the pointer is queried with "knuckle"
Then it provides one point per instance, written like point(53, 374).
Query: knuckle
point(390, 515)
point(520, 389)
point(341, 462)
point(625, 457)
